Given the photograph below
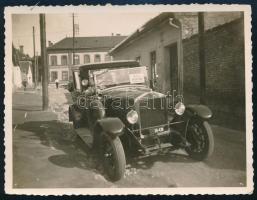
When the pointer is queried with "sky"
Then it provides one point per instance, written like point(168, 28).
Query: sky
point(59, 26)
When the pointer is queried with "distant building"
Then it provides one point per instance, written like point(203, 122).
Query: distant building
point(22, 69)
point(26, 72)
point(18, 55)
point(87, 50)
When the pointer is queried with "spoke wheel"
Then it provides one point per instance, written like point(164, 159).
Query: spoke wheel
point(200, 138)
point(113, 157)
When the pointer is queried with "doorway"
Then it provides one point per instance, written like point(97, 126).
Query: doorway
point(153, 68)
point(54, 76)
point(173, 64)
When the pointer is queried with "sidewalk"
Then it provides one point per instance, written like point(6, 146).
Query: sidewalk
point(32, 108)
point(30, 100)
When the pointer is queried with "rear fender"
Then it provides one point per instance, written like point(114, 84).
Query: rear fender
point(201, 111)
point(112, 126)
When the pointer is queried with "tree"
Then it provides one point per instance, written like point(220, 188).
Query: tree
point(17, 56)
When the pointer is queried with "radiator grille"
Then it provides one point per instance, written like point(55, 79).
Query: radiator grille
point(152, 112)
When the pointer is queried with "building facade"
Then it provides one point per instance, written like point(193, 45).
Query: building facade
point(26, 72)
point(224, 58)
point(86, 50)
point(154, 45)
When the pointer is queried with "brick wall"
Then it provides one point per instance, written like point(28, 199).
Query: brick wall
point(189, 21)
point(224, 72)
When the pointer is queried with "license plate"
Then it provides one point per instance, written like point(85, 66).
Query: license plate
point(159, 129)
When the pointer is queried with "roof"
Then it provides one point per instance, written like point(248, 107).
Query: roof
point(101, 42)
point(159, 19)
point(111, 64)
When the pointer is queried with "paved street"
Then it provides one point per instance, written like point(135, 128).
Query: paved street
point(46, 155)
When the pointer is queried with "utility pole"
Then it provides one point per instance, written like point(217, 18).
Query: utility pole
point(73, 39)
point(180, 60)
point(202, 57)
point(34, 50)
point(44, 61)
point(37, 66)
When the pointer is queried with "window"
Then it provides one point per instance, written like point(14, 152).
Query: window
point(97, 58)
point(53, 76)
point(86, 59)
point(64, 60)
point(53, 60)
point(76, 58)
point(65, 75)
point(107, 57)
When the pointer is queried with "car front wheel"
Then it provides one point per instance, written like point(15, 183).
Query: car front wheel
point(113, 155)
point(200, 139)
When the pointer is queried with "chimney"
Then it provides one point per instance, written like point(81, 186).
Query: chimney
point(21, 49)
point(50, 44)
point(112, 34)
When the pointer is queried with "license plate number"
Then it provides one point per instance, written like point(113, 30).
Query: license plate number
point(158, 130)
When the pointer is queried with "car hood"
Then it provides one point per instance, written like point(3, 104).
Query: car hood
point(135, 92)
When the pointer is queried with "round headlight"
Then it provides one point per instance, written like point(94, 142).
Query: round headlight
point(132, 117)
point(84, 82)
point(180, 108)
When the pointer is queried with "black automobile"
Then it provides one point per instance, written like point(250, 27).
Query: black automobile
point(115, 105)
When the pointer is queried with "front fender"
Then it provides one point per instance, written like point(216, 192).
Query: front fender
point(201, 111)
point(111, 125)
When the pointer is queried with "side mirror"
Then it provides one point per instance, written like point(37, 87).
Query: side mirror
point(70, 87)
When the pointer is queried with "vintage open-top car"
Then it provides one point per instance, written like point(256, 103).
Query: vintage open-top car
point(114, 103)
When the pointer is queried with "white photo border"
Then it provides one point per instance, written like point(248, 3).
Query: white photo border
point(248, 189)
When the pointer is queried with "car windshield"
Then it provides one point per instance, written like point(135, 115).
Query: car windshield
point(105, 78)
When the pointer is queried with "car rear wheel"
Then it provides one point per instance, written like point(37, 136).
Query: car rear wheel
point(113, 155)
point(200, 138)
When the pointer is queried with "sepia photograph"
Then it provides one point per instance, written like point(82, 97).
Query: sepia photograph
point(128, 100)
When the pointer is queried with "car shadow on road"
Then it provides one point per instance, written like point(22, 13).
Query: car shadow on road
point(148, 162)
